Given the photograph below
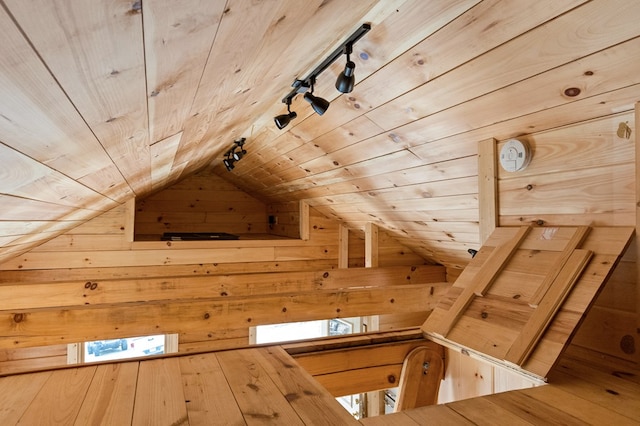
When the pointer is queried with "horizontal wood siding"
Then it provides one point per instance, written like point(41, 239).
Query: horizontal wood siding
point(584, 174)
point(155, 287)
point(203, 202)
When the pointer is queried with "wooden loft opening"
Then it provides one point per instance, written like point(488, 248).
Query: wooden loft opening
point(204, 203)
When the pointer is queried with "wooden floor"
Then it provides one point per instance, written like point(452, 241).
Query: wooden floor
point(582, 389)
point(266, 386)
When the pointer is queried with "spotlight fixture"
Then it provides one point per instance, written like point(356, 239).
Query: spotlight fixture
point(228, 163)
point(284, 119)
point(344, 83)
point(232, 156)
point(346, 80)
point(319, 105)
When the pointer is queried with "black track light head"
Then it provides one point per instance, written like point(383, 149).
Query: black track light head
point(283, 120)
point(319, 105)
point(346, 80)
point(228, 163)
point(237, 155)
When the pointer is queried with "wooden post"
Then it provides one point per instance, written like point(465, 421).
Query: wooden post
point(130, 220)
point(375, 400)
point(487, 188)
point(343, 246)
point(304, 221)
point(370, 245)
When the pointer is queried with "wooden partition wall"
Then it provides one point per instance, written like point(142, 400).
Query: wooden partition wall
point(94, 282)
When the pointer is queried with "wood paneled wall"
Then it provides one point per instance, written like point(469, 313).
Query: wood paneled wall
point(95, 282)
point(585, 174)
point(286, 219)
point(203, 202)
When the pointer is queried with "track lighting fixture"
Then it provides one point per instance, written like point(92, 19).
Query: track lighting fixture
point(319, 105)
point(234, 154)
point(344, 83)
point(283, 120)
point(346, 80)
point(228, 163)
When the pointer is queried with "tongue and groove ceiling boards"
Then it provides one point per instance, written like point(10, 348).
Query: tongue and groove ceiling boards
point(103, 101)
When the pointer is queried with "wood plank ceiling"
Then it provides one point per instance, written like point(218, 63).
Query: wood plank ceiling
point(101, 101)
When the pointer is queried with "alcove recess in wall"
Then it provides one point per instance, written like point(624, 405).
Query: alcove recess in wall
point(204, 203)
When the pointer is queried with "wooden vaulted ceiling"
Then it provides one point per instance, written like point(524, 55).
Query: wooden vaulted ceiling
point(101, 101)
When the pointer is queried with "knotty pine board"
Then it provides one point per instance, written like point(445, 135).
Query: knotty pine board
point(41, 327)
point(162, 154)
point(110, 397)
point(16, 403)
point(102, 71)
point(178, 38)
point(484, 79)
point(60, 398)
point(207, 391)
point(255, 392)
point(127, 290)
point(55, 129)
point(313, 402)
point(159, 396)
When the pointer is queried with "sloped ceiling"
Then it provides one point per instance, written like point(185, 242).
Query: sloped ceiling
point(101, 101)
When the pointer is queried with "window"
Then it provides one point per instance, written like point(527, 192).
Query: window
point(124, 348)
point(286, 332)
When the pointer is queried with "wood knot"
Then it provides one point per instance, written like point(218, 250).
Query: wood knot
point(325, 275)
point(484, 314)
point(18, 317)
point(572, 92)
point(628, 344)
point(207, 316)
point(391, 378)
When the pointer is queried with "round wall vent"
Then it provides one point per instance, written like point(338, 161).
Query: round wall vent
point(515, 155)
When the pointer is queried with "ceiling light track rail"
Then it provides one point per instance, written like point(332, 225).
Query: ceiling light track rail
point(302, 86)
point(344, 83)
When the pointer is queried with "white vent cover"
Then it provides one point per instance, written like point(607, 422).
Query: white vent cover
point(515, 155)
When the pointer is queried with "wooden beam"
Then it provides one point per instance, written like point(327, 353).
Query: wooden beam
point(487, 188)
point(352, 341)
point(371, 380)
point(331, 361)
point(130, 289)
point(40, 327)
point(361, 364)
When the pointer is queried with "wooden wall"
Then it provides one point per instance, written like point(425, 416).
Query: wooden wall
point(580, 174)
point(203, 202)
point(585, 174)
point(95, 282)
